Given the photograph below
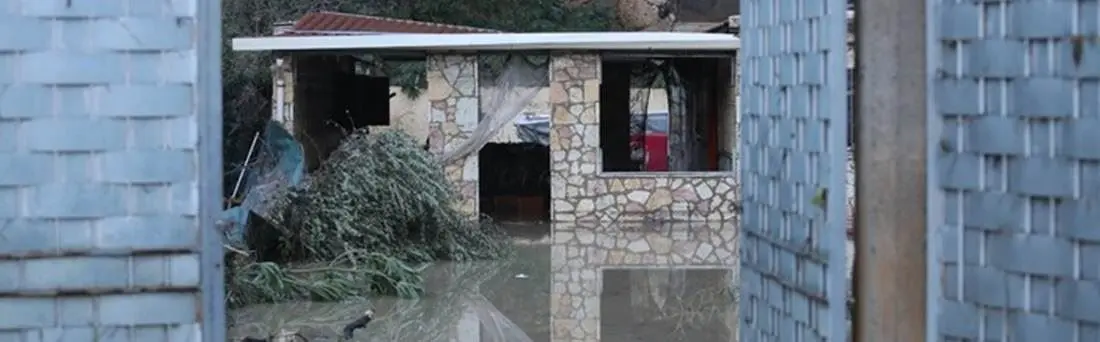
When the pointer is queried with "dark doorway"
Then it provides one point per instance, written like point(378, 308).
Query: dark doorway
point(515, 182)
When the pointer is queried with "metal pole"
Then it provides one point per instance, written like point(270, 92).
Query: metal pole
point(891, 192)
point(244, 167)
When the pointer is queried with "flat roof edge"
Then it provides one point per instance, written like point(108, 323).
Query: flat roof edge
point(486, 42)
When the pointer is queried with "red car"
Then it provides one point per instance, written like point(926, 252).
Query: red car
point(649, 140)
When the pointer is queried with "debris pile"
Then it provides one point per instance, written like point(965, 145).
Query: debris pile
point(366, 223)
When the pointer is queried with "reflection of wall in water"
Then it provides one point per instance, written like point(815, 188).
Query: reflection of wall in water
point(667, 305)
point(581, 252)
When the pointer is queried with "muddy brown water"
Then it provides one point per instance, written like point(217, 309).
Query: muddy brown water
point(636, 305)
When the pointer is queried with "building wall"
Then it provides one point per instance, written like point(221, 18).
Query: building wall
point(448, 112)
point(111, 171)
point(452, 97)
point(411, 114)
point(581, 191)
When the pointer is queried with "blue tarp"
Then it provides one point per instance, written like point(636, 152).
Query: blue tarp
point(279, 161)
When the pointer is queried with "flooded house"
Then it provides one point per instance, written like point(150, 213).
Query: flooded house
point(596, 166)
point(612, 165)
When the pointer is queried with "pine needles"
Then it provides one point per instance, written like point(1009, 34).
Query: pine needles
point(366, 223)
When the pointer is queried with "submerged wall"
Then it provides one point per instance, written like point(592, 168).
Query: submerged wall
point(579, 188)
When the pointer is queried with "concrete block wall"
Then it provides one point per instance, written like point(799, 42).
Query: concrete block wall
point(109, 171)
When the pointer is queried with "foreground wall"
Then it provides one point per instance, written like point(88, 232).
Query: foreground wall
point(1015, 180)
point(579, 188)
point(111, 171)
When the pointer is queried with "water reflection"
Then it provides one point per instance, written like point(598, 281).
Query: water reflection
point(477, 301)
point(582, 253)
point(667, 305)
point(593, 282)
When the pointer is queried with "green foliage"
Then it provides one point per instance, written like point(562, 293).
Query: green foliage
point(365, 223)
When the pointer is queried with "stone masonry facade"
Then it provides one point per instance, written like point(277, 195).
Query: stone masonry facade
point(453, 115)
point(581, 251)
point(580, 191)
point(110, 176)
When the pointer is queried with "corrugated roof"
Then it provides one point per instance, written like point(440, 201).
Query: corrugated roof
point(334, 24)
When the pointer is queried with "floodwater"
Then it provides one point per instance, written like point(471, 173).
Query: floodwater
point(509, 301)
point(514, 294)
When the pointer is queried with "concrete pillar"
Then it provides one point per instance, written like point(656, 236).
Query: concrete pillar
point(890, 160)
point(452, 117)
point(282, 96)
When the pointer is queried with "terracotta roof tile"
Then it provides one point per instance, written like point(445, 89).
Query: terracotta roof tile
point(333, 23)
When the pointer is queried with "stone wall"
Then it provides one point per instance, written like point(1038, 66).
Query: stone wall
point(580, 253)
point(410, 114)
point(579, 188)
point(452, 97)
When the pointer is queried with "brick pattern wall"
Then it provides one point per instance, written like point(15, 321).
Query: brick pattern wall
point(1016, 171)
point(792, 161)
point(99, 170)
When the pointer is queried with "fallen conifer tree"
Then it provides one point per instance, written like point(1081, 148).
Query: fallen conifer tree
point(365, 223)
